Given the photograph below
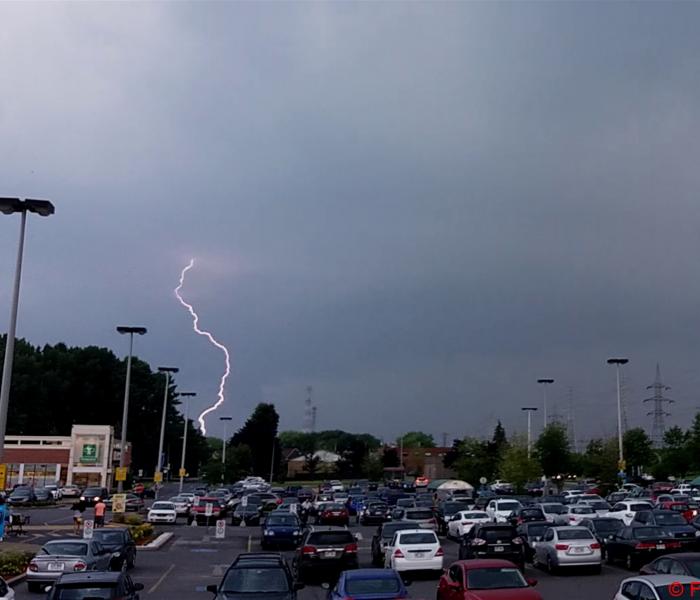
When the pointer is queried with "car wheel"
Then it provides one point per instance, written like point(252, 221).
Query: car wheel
point(550, 565)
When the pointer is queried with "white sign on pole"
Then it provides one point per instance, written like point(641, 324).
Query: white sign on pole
point(244, 501)
point(220, 529)
point(208, 509)
point(88, 528)
point(293, 509)
point(195, 502)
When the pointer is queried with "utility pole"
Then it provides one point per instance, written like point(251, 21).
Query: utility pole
point(545, 383)
point(308, 410)
point(659, 413)
point(186, 396)
point(529, 410)
point(618, 362)
point(225, 421)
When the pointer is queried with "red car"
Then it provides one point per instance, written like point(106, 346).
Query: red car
point(334, 513)
point(199, 511)
point(684, 508)
point(482, 579)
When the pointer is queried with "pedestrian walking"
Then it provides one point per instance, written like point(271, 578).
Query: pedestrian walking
point(78, 509)
point(100, 509)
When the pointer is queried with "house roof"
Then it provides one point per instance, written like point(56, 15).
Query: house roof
point(323, 456)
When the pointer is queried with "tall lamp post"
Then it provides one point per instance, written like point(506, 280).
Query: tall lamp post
point(529, 410)
point(545, 383)
point(186, 396)
point(158, 473)
point(223, 449)
point(9, 206)
point(125, 414)
point(618, 362)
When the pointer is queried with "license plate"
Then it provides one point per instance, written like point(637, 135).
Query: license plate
point(329, 554)
point(55, 566)
point(420, 554)
point(498, 548)
point(580, 550)
point(661, 546)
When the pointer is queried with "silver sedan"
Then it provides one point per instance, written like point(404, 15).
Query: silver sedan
point(567, 547)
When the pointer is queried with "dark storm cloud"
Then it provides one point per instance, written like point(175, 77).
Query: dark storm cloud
point(417, 208)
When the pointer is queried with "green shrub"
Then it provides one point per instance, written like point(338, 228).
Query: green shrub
point(140, 532)
point(119, 518)
point(13, 562)
point(133, 519)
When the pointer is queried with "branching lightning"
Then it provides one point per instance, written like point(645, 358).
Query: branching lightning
point(210, 337)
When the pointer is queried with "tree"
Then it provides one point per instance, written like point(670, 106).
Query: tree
point(311, 462)
point(638, 450)
point(259, 433)
point(552, 450)
point(416, 439)
point(516, 467)
point(694, 444)
point(600, 460)
point(372, 467)
point(675, 457)
point(239, 462)
point(475, 461)
point(390, 458)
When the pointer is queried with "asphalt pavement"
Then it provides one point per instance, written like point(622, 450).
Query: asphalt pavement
point(194, 558)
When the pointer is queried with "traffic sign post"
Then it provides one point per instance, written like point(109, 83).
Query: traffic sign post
point(182, 473)
point(220, 529)
point(3, 476)
point(88, 528)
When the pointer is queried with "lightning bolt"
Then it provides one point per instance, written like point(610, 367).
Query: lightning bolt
point(210, 337)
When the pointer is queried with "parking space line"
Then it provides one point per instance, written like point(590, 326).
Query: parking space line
point(154, 587)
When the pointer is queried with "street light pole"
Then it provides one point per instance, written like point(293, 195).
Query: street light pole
point(159, 461)
point(187, 396)
point(9, 206)
point(545, 383)
point(617, 362)
point(529, 410)
point(125, 414)
point(223, 449)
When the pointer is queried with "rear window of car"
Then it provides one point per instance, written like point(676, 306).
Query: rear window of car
point(333, 506)
point(453, 507)
point(255, 581)
point(389, 530)
point(509, 505)
point(80, 591)
point(554, 509)
point(648, 532)
point(636, 507)
point(330, 538)
point(607, 525)
point(108, 537)
point(536, 530)
point(419, 514)
point(492, 534)
point(281, 520)
point(582, 510)
point(418, 538)
point(383, 585)
point(65, 548)
point(474, 515)
point(574, 534)
point(670, 519)
point(531, 512)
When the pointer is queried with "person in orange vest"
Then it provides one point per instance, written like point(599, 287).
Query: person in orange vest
point(100, 509)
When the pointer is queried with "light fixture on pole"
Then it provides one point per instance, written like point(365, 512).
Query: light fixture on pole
point(545, 383)
point(621, 459)
point(158, 473)
point(223, 448)
point(9, 206)
point(529, 410)
point(186, 396)
point(125, 414)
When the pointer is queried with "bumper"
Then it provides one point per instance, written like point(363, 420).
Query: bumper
point(345, 563)
point(43, 576)
point(160, 519)
point(333, 520)
point(578, 560)
point(515, 557)
point(429, 564)
point(281, 539)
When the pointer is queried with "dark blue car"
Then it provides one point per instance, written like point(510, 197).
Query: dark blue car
point(357, 505)
point(369, 584)
point(280, 529)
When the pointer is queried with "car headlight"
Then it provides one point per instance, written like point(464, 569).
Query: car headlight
point(297, 532)
point(697, 533)
point(268, 532)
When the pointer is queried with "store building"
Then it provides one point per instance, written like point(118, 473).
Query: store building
point(87, 456)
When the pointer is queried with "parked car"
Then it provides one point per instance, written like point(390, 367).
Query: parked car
point(199, 511)
point(493, 540)
point(70, 491)
point(117, 586)
point(686, 563)
point(280, 529)
point(615, 497)
point(531, 534)
point(92, 494)
point(575, 513)
point(683, 508)
point(325, 549)
point(65, 556)
point(421, 518)
point(460, 523)
point(626, 510)
point(333, 513)
point(603, 528)
point(554, 512)
point(414, 550)
point(182, 504)
point(54, 490)
point(670, 521)
point(119, 542)
point(382, 538)
point(43, 496)
point(21, 496)
point(654, 587)
point(567, 546)
point(374, 584)
point(637, 545)
point(477, 579)
point(526, 514)
point(501, 510)
point(162, 512)
point(257, 575)
point(446, 510)
point(601, 507)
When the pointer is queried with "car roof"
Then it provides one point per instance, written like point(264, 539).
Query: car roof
point(484, 563)
point(96, 576)
point(316, 529)
point(659, 579)
point(370, 573)
point(416, 531)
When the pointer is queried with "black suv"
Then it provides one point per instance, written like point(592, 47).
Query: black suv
point(527, 514)
point(530, 533)
point(493, 540)
point(257, 573)
point(375, 513)
point(117, 540)
point(91, 495)
point(323, 549)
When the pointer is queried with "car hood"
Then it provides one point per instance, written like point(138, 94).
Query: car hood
point(512, 594)
point(231, 596)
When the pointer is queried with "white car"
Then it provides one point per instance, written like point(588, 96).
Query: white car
point(626, 510)
point(162, 512)
point(6, 592)
point(567, 547)
point(337, 486)
point(56, 492)
point(578, 498)
point(182, 504)
point(70, 491)
point(657, 587)
point(501, 510)
point(460, 524)
point(554, 512)
point(575, 513)
point(414, 550)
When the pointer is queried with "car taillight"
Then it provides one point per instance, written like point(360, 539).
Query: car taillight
point(595, 546)
point(308, 550)
point(478, 541)
point(645, 545)
point(79, 566)
point(33, 567)
point(561, 547)
point(351, 548)
point(398, 553)
point(467, 522)
point(517, 540)
point(278, 501)
point(673, 544)
point(439, 552)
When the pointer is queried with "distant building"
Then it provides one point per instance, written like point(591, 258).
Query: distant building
point(427, 462)
point(326, 463)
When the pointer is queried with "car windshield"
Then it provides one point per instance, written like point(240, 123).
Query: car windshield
point(21, 492)
point(474, 515)
point(636, 507)
point(495, 578)
point(599, 505)
point(178, 499)
point(450, 508)
point(65, 548)
point(92, 491)
point(648, 532)
point(255, 581)
point(417, 538)
point(281, 520)
point(82, 591)
point(582, 510)
point(608, 525)
point(390, 529)
point(333, 506)
point(574, 534)
point(536, 530)
point(670, 519)
point(163, 506)
point(355, 586)
point(508, 505)
point(419, 515)
point(108, 537)
point(554, 509)
point(330, 538)
point(531, 512)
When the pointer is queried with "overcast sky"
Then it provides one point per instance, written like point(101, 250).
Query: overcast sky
point(416, 208)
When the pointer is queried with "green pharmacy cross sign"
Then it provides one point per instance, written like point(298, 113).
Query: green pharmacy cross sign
point(89, 454)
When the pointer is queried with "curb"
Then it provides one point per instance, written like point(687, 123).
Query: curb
point(17, 579)
point(157, 543)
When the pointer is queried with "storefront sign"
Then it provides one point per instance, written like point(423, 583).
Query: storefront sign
point(89, 453)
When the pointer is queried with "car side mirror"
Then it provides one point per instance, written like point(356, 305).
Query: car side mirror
point(213, 588)
point(531, 581)
point(139, 586)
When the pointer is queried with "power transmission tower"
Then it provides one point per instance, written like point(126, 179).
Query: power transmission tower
point(313, 419)
point(308, 411)
point(659, 413)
